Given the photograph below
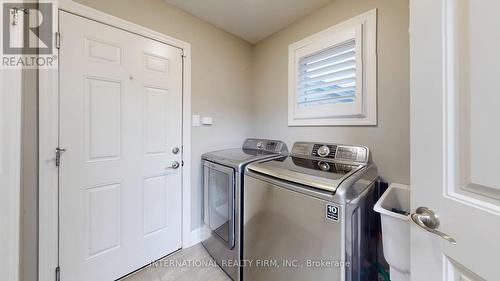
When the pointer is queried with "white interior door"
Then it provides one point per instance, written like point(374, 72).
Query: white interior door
point(120, 120)
point(455, 54)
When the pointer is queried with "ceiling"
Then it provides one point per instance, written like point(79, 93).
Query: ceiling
point(251, 20)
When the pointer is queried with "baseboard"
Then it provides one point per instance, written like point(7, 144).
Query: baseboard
point(197, 236)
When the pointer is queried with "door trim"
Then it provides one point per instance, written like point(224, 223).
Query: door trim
point(49, 131)
point(10, 171)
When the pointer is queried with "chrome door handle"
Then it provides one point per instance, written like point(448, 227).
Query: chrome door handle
point(427, 219)
point(174, 165)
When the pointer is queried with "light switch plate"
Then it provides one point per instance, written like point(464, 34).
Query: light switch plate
point(196, 120)
point(207, 120)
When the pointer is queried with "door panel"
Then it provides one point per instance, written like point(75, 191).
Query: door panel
point(457, 272)
point(103, 116)
point(155, 120)
point(454, 46)
point(474, 102)
point(102, 51)
point(103, 224)
point(120, 117)
point(155, 204)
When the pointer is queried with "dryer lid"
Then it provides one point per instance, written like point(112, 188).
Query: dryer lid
point(252, 150)
point(237, 157)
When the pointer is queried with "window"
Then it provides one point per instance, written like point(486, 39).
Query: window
point(332, 75)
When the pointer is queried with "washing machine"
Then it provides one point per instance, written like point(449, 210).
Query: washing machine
point(306, 215)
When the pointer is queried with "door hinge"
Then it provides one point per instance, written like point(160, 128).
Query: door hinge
point(59, 152)
point(58, 40)
point(58, 273)
point(15, 16)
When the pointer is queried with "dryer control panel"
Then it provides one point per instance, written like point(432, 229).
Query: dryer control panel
point(272, 146)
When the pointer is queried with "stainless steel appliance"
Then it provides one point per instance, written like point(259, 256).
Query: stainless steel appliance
point(222, 182)
point(305, 215)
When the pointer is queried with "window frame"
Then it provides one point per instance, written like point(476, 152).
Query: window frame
point(364, 27)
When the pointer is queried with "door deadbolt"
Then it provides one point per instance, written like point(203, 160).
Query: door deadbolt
point(175, 150)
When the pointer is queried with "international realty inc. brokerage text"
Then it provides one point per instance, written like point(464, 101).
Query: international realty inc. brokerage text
point(263, 263)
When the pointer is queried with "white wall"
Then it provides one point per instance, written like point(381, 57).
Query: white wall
point(390, 140)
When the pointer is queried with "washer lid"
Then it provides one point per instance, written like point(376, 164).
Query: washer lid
point(324, 175)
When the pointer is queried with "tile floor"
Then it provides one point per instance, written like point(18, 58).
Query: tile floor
point(191, 264)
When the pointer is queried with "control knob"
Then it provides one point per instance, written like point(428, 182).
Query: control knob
point(260, 145)
point(323, 151)
point(323, 166)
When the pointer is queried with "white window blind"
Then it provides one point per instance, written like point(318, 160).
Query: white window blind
point(328, 77)
point(332, 75)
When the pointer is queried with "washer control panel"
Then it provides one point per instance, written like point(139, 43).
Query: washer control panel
point(324, 150)
point(349, 153)
point(330, 151)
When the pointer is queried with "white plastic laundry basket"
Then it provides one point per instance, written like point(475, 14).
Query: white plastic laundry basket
point(394, 207)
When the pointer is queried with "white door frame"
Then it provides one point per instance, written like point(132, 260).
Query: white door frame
point(10, 172)
point(10, 169)
point(49, 132)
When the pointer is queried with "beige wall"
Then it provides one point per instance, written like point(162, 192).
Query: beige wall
point(390, 140)
point(28, 256)
point(221, 77)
